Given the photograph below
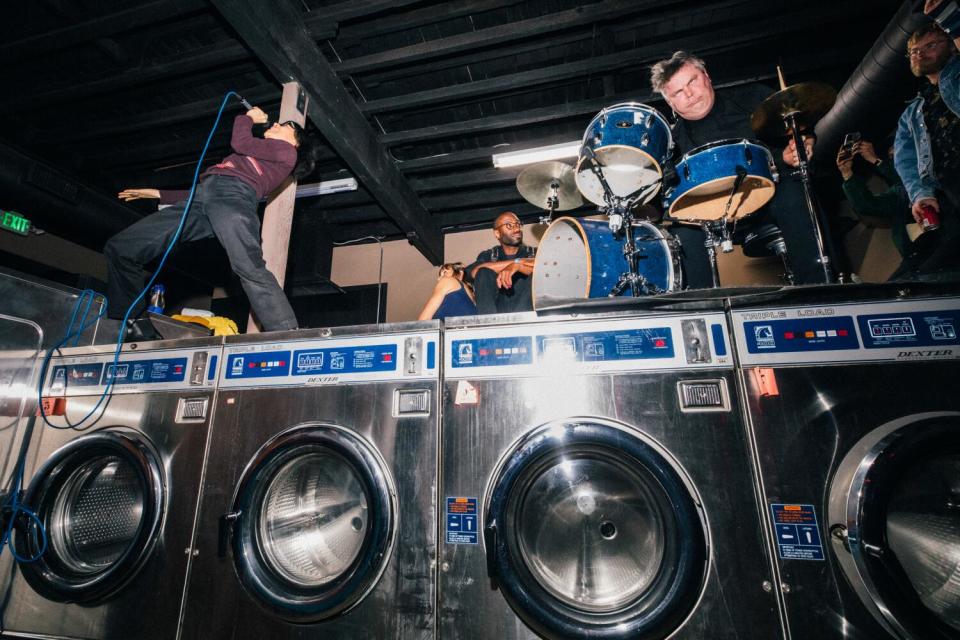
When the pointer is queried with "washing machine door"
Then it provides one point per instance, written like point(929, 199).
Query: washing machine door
point(593, 531)
point(101, 501)
point(895, 524)
point(313, 523)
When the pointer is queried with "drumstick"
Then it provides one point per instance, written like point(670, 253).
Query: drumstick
point(783, 84)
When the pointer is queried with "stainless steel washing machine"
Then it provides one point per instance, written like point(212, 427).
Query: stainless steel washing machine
point(856, 413)
point(117, 498)
point(596, 482)
point(319, 510)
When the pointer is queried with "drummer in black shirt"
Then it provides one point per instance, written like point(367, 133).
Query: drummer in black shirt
point(704, 116)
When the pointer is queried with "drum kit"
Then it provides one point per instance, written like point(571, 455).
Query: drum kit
point(625, 161)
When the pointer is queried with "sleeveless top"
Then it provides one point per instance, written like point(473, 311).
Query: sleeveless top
point(456, 303)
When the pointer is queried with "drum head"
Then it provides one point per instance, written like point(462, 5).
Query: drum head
point(626, 170)
point(708, 201)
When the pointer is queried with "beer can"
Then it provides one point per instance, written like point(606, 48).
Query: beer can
point(929, 218)
point(157, 301)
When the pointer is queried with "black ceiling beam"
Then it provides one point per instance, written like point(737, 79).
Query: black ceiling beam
point(474, 156)
point(277, 36)
point(440, 12)
point(353, 9)
point(719, 40)
point(580, 17)
point(99, 27)
point(465, 179)
point(203, 58)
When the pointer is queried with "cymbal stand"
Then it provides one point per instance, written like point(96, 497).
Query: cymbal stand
point(716, 233)
point(790, 121)
point(553, 203)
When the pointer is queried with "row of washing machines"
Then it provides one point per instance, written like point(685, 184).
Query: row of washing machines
point(742, 471)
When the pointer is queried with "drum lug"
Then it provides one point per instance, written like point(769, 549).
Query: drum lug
point(748, 154)
point(597, 139)
point(645, 140)
point(686, 172)
point(649, 121)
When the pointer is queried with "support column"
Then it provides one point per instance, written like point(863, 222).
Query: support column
point(278, 217)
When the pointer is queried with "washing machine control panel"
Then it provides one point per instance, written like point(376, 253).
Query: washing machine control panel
point(167, 370)
point(594, 346)
point(331, 361)
point(902, 330)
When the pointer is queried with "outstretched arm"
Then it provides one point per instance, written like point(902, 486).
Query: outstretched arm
point(444, 286)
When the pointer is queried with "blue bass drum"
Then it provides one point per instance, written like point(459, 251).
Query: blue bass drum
point(631, 141)
point(582, 259)
point(707, 175)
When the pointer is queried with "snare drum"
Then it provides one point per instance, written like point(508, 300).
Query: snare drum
point(582, 259)
point(631, 141)
point(707, 175)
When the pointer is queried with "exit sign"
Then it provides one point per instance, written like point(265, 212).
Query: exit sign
point(13, 221)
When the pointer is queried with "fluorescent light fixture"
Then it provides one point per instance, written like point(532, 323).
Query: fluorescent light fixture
point(326, 187)
point(539, 154)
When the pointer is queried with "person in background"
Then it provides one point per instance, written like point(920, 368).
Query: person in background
point(501, 275)
point(224, 206)
point(451, 295)
point(705, 116)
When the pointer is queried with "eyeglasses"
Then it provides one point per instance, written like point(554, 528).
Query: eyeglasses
point(512, 226)
point(930, 46)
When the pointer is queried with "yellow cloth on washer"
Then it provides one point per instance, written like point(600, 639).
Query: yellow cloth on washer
point(221, 326)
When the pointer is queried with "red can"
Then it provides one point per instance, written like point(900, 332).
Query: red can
point(929, 218)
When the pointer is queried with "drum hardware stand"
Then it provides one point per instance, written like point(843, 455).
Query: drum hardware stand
point(790, 121)
point(553, 203)
point(718, 233)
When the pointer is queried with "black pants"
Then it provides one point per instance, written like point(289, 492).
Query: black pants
point(224, 207)
point(492, 299)
point(787, 210)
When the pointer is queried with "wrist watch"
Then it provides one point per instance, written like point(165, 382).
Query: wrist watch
point(516, 260)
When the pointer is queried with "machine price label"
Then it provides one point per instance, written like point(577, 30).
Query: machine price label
point(75, 375)
point(147, 371)
point(605, 346)
point(916, 329)
point(492, 352)
point(798, 536)
point(461, 521)
point(340, 360)
point(801, 335)
point(263, 364)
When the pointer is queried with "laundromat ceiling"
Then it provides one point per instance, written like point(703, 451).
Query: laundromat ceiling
point(411, 96)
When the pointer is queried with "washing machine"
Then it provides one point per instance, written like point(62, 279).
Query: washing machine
point(318, 517)
point(596, 482)
point(117, 497)
point(855, 409)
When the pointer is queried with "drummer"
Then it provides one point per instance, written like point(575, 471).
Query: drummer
point(704, 116)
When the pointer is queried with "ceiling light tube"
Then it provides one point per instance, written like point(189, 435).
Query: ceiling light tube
point(539, 154)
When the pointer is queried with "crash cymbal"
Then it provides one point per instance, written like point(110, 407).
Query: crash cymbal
point(811, 101)
point(540, 182)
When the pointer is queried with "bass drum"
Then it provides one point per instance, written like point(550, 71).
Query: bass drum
point(583, 259)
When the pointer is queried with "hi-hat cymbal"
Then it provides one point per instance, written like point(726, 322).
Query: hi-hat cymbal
point(810, 100)
point(540, 182)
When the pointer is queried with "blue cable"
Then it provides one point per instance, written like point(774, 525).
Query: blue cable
point(14, 505)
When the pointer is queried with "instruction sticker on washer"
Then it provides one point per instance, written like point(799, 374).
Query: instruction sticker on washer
point(461, 525)
point(798, 536)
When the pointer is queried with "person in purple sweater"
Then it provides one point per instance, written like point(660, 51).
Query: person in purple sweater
point(224, 206)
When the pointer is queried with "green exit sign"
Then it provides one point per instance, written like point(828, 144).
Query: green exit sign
point(13, 221)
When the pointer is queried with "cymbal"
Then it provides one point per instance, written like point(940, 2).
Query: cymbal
point(811, 101)
point(536, 185)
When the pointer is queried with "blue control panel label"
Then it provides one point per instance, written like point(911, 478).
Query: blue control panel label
point(147, 371)
point(461, 520)
point(258, 365)
point(719, 339)
point(338, 360)
point(76, 375)
point(798, 536)
point(801, 334)
point(212, 373)
point(431, 355)
point(600, 346)
point(492, 352)
point(919, 329)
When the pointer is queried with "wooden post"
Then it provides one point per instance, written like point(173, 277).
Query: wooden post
point(278, 217)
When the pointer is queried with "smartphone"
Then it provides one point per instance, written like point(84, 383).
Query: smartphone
point(850, 140)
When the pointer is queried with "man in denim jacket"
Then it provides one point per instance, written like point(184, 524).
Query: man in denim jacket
point(927, 146)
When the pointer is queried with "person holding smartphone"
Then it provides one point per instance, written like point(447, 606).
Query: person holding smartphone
point(927, 155)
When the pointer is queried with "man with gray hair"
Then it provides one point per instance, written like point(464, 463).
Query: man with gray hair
point(705, 116)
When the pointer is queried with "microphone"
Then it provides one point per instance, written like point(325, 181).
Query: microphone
point(243, 101)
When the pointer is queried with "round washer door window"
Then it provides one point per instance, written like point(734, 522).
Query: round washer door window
point(101, 500)
point(900, 508)
point(316, 523)
point(592, 532)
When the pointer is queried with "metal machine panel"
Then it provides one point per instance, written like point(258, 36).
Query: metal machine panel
point(597, 418)
point(375, 422)
point(840, 333)
point(119, 500)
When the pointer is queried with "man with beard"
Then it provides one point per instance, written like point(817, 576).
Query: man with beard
point(501, 275)
point(927, 147)
point(703, 117)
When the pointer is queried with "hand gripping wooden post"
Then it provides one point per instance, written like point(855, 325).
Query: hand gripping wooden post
point(278, 217)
